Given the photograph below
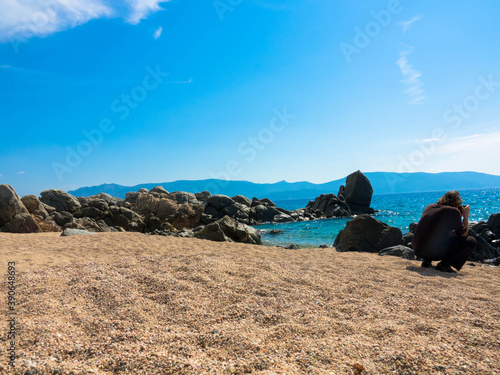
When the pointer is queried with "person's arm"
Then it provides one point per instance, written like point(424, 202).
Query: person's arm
point(465, 213)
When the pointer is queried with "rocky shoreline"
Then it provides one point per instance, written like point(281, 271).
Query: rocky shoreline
point(219, 217)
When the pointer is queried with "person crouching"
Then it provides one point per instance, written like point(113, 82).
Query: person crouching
point(441, 234)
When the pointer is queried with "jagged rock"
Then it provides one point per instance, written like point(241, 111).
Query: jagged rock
point(357, 193)
point(131, 197)
point(153, 223)
point(48, 225)
point(35, 207)
point(262, 202)
point(143, 190)
point(399, 251)
point(243, 200)
point(327, 205)
point(163, 208)
point(75, 232)
point(228, 229)
point(100, 204)
point(283, 218)
point(21, 223)
point(160, 190)
point(187, 216)
point(219, 201)
point(237, 211)
point(263, 214)
point(364, 233)
point(183, 197)
point(483, 250)
point(203, 196)
point(10, 204)
point(127, 219)
point(60, 200)
point(494, 224)
point(62, 218)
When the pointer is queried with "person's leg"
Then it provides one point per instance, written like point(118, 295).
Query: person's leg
point(459, 253)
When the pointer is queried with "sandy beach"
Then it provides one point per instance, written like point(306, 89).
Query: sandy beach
point(131, 303)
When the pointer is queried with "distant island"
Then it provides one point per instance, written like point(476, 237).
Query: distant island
point(382, 182)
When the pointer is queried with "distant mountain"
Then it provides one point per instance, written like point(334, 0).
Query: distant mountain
point(382, 182)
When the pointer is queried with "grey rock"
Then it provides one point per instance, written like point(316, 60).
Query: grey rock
point(203, 196)
point(237, 211)
point(407, 238)
point(399, 251)
point(484, 250)
point(143, 190)
point(292, 247)
point(35, 207)
point(21, 223)
point(494, 224)
point(262, 202)
point(283, 218)
point(263, 214)
point(75, 232)
point(62, 218)
point(364, 233)
point(160, 190)
point(10, 204)
point(60, 200)
point(228, 229)
point(358, 193)
point(219, 201)
point(131, 197)
point(183, 197)
point(243, 200)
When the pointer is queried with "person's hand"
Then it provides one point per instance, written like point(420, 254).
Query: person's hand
point(466, 211)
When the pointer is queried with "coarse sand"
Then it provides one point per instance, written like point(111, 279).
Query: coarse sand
point(130, 303)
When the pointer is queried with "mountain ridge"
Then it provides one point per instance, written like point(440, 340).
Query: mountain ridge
point(382, 182)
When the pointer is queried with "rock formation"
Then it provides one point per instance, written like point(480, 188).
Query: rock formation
point(364, 233)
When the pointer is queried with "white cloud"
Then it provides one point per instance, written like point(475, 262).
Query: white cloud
point(414, 87)
point(466, 153)
point(405, 25)
point(21, 172)
point(157, 33)
point(22, 19)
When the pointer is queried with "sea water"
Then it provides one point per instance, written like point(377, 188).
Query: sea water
point(397, 210)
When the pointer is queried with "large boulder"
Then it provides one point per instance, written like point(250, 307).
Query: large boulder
point(228, 229)
point(60, 200)
point(219, 201)
point(494, 224)
point(10, 204)
point(329, 206)
point(484, 250)
point(364, 233)
point(263, 214)
point(187, 216)
point(126, 219)
point(357, 193)
point(162, 207)
point(183, 197)
point(21, 223)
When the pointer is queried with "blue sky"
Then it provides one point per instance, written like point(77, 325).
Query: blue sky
point(143, 91)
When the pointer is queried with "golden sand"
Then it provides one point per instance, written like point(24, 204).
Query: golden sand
point(131, 303)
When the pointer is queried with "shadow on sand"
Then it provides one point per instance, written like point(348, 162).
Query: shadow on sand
point(433, 272)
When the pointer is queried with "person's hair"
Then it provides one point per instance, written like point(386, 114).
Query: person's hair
point(451, 198)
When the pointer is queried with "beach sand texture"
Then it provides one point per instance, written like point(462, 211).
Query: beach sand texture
point(131, 303)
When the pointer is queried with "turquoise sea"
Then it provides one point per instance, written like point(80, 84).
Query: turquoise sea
point(398, 210)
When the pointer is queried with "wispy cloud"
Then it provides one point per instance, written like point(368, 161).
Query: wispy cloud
point(21, 172)
point(157, 33)
point(22, 19)
point(414, 87)
point(405, 25)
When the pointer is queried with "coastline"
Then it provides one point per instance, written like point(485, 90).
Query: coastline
point(134, 303)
